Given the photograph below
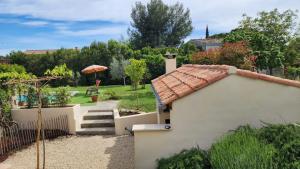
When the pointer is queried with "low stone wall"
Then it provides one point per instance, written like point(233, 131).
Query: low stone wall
point(72, 112)
point(128, 121)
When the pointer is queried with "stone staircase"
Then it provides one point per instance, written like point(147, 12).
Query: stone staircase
point(97, 122)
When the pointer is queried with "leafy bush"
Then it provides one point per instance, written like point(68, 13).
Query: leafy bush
point(45, 97)
point(242, 150)
point(194, 158)
point(111, 95)
point(31, 97)
point(5, 104)
point(286, 139)
point(62, 96)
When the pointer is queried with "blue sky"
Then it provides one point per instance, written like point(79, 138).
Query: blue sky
point(50, 24)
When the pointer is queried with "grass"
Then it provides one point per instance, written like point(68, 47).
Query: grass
point(127, 97)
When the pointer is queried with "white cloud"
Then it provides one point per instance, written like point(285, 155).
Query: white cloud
point(107, 30)
point(35, 23)
point(221, 15)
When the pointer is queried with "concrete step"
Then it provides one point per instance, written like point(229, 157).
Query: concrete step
point(96, 131)
point(98, 115)
point(97, 123)
point(91, 111)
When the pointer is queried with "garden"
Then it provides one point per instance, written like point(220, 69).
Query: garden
point(270, 147)
point(265, 43)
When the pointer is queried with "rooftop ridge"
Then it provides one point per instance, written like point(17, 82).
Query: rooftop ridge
point(278, 80)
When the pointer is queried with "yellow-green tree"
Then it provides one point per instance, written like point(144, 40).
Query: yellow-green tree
point(136, 70)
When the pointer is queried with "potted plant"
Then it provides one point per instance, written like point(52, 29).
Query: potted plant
point(94, 98)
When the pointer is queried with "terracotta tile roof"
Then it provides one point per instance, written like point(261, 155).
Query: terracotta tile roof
point(273, 79)
point(186, 80)
point(189, 78)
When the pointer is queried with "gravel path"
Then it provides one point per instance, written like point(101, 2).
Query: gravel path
point(78, 152)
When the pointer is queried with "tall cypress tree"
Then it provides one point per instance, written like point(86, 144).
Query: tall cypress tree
point(206, 32)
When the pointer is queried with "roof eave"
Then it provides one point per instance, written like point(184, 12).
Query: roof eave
point(161, 105)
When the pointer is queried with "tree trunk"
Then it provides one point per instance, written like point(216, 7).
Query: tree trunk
point(271, 70)
point(124, 81)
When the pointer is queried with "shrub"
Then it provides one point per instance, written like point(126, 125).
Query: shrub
point(194, 158)
point(45, 97)
point(31, 97)
point(286, 139)
point(111, 95)
point(211, 56)
point(5, 104)
point(242, 150)
point(62, 96)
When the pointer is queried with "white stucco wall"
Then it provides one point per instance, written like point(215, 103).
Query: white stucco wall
point(203, 116)
point(129, 121)
point(72, 111)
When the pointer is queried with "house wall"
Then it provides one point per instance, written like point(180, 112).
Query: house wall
point(128, 121)
point(73, 113)
point(203, 116)
point(144, 118)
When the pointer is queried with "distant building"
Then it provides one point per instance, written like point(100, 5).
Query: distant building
point(207, 43)
point(4, 60)
point(31, 52)
point(44, 51)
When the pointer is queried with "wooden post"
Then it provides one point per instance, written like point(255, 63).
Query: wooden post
point(39, 125)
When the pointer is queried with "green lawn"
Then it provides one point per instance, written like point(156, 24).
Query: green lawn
point(127, 97)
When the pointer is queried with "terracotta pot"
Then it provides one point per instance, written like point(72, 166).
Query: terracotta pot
point(21, 103)
point(94, 98)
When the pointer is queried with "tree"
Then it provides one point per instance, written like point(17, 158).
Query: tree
point(136, 70)
point(267, 36)
point(117, 69)
point(206, 32)
point(157, 24)
point(236, 54)
point(292, 52)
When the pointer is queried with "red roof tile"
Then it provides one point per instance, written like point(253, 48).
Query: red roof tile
point(189, 78)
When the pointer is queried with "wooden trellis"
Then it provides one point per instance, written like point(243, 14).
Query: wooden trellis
point(38, 83)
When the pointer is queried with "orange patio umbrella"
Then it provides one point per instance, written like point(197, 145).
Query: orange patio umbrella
point(94, 69)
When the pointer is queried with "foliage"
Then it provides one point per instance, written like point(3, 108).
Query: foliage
point(235, 54)
point(293, 72)
point(111, 95)
point(157, 24)
point(136, 70)
point(8, 72)
point(292, 51)
point(31, 97)
point(211, 56)
point(155, 65)
point(242, 150)
point(194, 158)
point(60, 71)
point(286, 139)
point(45, 94)
point(267, 35)
point(5, 104)
point(117, 69)
point(12, 68)
point(62, 96)
point(106, 54)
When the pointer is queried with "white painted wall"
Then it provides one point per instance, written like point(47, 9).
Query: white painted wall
point(73, 113)
point(129, 121)
point(203, 116)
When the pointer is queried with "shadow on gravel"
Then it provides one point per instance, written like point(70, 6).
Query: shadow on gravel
point(121, 153)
